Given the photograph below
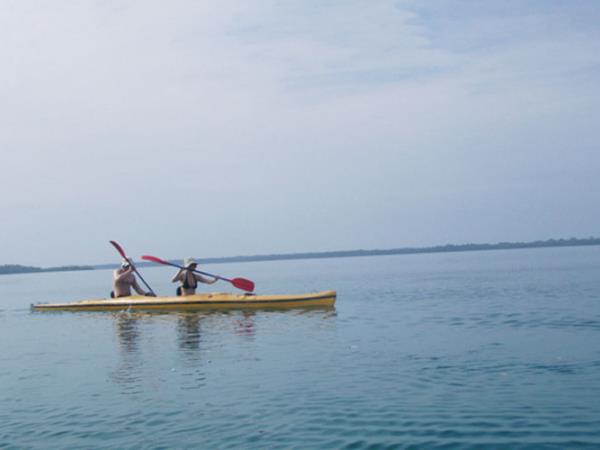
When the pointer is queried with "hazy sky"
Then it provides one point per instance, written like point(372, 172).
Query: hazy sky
point(237, 127)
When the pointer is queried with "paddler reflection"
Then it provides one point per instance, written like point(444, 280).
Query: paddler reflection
point(127, 331)
point(245, 325)
point(127, 373)
point(188, 331)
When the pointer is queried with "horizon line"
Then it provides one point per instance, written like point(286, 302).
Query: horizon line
point(440, 248)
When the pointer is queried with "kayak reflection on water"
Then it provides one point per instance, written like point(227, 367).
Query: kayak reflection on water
point(188, 327)
point(188, 323)
point(191, 326)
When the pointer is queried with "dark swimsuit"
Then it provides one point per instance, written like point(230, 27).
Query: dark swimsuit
point(186, 284)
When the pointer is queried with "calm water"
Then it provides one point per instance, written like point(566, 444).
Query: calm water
point(490, 350)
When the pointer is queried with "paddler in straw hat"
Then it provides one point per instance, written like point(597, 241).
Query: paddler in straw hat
point(189, 280)
point(124, 280)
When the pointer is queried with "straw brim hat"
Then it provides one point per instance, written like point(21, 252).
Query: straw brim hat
point(187, 262)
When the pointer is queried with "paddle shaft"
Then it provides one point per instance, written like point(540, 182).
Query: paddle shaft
point(240, 283)
point(122, 253)
point(142, 278)
point(197, 271)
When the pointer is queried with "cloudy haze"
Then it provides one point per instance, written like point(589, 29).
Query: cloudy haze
point(234, 127)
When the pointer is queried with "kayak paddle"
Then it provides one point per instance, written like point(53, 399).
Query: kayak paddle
point(240, 283)
point(124, 256)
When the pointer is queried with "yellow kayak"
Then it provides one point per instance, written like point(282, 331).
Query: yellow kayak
point(198, 301)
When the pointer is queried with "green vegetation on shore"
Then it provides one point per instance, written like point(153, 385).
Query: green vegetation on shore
point(16, 268)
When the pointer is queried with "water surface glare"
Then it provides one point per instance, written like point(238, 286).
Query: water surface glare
point(479, 350)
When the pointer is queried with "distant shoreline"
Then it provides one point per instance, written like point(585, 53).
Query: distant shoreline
point(448, 248)
point(12, 269)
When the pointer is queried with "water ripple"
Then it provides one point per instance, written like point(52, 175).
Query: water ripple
point(435, 352)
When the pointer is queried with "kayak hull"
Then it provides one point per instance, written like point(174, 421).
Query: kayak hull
point(198, 301)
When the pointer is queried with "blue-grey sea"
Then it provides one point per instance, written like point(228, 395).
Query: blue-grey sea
point(479, 350)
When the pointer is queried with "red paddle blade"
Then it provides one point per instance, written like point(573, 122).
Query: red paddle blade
point(119, 249)
point(155, 259)
point(243, 284)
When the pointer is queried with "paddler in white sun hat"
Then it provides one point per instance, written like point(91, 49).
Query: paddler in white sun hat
point(188, 279)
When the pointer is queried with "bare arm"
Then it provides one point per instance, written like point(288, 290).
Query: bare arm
point(177, 277)
point(137, 287)
point(202, 279)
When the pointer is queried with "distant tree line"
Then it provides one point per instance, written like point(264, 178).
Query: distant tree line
point(17, 268)
point(572, 242)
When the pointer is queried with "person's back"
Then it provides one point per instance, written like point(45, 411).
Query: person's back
point(124, 280)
